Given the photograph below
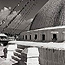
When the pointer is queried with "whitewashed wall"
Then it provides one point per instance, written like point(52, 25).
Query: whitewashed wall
point(48, 35)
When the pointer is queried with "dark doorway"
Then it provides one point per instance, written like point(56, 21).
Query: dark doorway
point(30, 37)
point(54, 37)
point(35, 36)
point(25, 37)
point(43, 36)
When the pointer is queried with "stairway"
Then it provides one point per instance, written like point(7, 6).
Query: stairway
point(19, 56)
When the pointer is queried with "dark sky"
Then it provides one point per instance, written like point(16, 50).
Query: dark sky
point(12, 3)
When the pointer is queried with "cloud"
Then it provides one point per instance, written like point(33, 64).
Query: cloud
point(9, 7)
point(4, 15)
point(4, 12)
point(5, 9)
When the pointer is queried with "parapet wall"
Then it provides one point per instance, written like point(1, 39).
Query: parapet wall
point(51, 53)
point(51, 56)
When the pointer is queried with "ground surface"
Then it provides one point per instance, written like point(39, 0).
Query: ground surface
point(31, 60)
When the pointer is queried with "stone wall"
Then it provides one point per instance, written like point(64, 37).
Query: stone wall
point(48, 35)
point(51, 56)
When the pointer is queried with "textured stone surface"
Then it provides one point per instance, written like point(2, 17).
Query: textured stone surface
point(51, 56)
point(51, 14)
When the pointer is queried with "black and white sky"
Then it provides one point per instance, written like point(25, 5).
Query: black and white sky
point(12, 3)
point(26, 16)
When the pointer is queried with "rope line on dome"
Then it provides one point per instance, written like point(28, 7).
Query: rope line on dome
point(23, 17)
point(15, 7)
point(15, 17)
point(11, 12)
point(22, 20)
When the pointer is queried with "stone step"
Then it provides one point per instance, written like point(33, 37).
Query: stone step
point(16, 58)
point(17, 54)
point(18, 50)
point(13, 61)
point(21, 46)
point(24, 57)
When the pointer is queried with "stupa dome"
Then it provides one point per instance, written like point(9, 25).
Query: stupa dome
point(51, 14)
